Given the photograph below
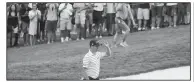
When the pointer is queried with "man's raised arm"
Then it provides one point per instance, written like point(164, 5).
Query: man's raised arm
point(108, 50)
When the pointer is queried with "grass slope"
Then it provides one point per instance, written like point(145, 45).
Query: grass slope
point(148, 51)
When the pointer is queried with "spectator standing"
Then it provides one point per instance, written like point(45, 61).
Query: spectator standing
point(74, 29)
point(181, 10)
point(156, 12)
point(111, 14)
point(187, 14)
point(65, 12)
point(89, 17)
point(24, 22)
point(41, 23)
point(51, 21)
point(34, 16)
point(97, 18)
point(80, 18)
point(143, 14)
point(172, 14)
point(13, 23)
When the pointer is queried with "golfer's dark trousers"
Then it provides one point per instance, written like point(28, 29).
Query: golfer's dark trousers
point(90, 78)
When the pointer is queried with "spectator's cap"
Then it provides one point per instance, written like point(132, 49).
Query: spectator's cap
point(94, 43)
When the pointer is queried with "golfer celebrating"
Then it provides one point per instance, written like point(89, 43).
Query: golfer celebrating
point(91, 61)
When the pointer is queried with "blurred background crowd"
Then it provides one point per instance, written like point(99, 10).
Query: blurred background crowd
point(37, 23)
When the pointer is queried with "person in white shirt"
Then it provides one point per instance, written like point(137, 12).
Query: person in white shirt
point(34, 16)
point(91, 61)
point(111, 14)
point(80, 18)
point(65, 13)
point(172, 14)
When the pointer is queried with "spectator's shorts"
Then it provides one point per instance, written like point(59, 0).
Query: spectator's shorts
point(24, 27)
point(156, 11)
point(80, 18)
point(65, 24)
point(143, 13)
point(121, 25)
point(51, 26)
point(171, 10)
point(97, 17)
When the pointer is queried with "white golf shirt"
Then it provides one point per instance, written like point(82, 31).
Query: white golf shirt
point(92, 63)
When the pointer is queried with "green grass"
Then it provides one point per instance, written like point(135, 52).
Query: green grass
point(148, 51)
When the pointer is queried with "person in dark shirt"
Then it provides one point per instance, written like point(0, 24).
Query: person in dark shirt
point(41, 27)
point(12, 23)
point(24, 10)
point(143, 13)
point(180, 13)
point(172, 13)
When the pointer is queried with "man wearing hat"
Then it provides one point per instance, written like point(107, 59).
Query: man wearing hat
point(91, 61)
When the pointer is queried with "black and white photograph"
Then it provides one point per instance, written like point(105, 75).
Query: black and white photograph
point(103, 41)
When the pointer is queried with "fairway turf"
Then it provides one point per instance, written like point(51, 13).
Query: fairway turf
point(147, 51)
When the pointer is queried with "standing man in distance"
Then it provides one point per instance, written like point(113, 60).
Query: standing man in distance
point(65, 13)
point(80, 18)
point(97, 18)
point(143, 14)
point(51, 21)
point(41, 24)
point(172, 14)
point(111, 14)
point(24, 22)
point(156, 10)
